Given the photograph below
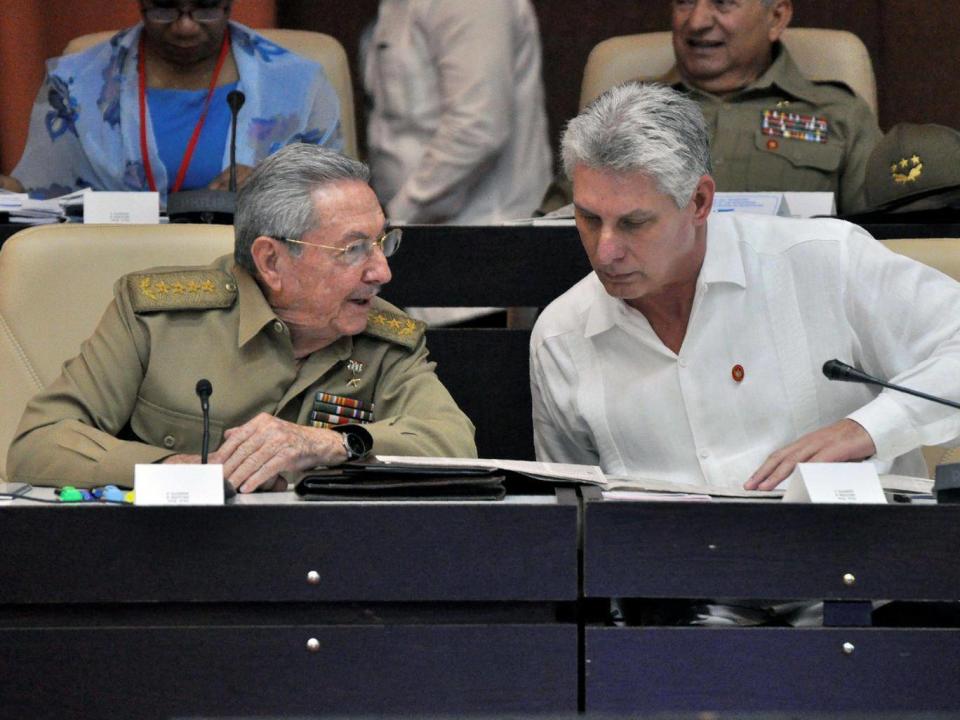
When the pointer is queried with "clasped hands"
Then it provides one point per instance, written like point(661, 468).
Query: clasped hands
point(254, 454)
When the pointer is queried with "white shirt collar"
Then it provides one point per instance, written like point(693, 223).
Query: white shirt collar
point(722, 263)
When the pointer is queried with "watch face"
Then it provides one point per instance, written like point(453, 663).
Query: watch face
point(355, 445)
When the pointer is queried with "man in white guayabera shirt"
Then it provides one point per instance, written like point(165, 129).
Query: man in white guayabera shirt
point(693, 352)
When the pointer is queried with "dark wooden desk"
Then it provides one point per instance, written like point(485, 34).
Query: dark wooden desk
point(841, 554)
point(419, 608)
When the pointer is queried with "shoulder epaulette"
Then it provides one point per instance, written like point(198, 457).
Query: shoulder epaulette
point(181, 290)
point(395, 327)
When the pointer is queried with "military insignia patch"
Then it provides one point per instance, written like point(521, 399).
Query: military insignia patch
point(181, 290)
point(906, 171)
point(356, 368)
point(794, 126)
point(395, 327)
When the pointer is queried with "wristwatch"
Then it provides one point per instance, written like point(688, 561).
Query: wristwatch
point(354, 445)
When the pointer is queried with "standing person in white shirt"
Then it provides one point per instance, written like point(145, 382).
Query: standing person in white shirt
point(457, 132)
point(693, 352)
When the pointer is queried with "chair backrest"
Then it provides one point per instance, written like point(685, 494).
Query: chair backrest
point(944, 255)
point(319, 47)
point(56, 281)
point(820, 54)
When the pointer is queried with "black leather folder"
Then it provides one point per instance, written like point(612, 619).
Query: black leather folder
point(373, 480)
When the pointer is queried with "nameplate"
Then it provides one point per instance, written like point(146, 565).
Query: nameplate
point(119, 208)
point(810, 204)
point(855, 483)
point(159, 484)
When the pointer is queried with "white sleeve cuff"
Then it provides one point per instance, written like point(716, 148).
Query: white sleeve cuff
point(889, 425)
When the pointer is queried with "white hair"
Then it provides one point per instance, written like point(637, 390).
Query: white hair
point(644, 128)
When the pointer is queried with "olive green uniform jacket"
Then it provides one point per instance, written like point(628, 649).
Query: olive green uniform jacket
point(747, 159)
point(129, 396)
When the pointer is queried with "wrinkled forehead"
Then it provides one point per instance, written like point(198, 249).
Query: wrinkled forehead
point(348, 207)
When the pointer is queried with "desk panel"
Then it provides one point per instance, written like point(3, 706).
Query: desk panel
point(154, 672)
point(770, 550)
point(648, 670)
point(373, 552)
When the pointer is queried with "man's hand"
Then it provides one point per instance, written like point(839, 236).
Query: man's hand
point(254, 454)
point(222, 181)
point(841, 442)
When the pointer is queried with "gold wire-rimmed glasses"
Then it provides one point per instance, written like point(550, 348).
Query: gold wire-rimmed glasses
point(357, 252)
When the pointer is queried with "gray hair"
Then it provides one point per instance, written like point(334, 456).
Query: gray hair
point(276, 200)
point(642, 128)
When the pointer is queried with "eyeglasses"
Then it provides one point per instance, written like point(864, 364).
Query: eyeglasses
point(168, 15)
point(356, 252)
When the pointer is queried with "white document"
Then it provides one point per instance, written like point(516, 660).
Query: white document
point(194, 484)
point(856, 483)
point(590, 474)
point(755, 203)
point(117, 208)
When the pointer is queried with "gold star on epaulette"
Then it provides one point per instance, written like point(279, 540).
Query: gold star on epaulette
point(181, 290)
point(395, 327)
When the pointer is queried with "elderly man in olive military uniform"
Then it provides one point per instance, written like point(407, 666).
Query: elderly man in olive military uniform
point(289, 331)
point(771, 128)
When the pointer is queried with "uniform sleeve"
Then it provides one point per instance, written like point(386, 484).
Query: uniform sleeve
point(904, 316)
point(471, 46)
point(864, 135)
point(557, 437)
point(417, 414)
point(67, 435)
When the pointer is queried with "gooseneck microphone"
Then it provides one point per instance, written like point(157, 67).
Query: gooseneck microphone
point(235, 99)
point(204, 391)
point(837, 370)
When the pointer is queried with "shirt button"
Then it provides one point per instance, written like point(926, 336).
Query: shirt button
point(278, 327)
point(169, 441)
point(682, 363)
point(704, 454)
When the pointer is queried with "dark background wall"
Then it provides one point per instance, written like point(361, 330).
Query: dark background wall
point(913, 44)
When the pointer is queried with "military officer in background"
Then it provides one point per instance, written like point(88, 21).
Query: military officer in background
point(308, 366)
point(771, 128)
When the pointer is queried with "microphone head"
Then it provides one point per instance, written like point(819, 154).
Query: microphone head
point(204, 388)
point(236, 99)
point(836, 370)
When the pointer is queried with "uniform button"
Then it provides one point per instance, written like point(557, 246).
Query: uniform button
point(704, 454)
point(682, 363)
point(229, 287)
point(169, 441)
point(278, 327)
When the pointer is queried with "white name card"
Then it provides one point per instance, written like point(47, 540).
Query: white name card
point(856, 483)
point(159, 484)
point(808, 204)
point(117, 208)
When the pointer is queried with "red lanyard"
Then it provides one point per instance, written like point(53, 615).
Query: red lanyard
point(192, 145)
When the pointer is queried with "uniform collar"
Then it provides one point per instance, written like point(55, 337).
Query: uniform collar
point(255, 311)
point(783, 73)
point(722, 264)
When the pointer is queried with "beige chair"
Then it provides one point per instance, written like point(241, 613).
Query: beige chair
point(56, 281)
point(324, 49)
point(944, 255)
point(820, 55)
